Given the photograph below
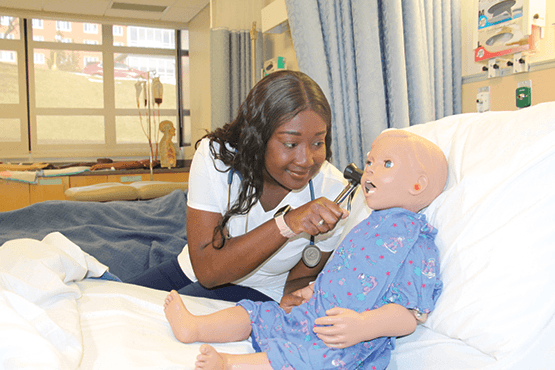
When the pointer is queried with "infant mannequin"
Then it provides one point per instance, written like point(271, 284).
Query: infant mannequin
point(386, 267)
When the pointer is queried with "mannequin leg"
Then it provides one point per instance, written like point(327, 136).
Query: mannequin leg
point(228, 325)
point(209, 359)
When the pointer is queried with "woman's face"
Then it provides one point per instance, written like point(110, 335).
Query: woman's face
point(296, 151)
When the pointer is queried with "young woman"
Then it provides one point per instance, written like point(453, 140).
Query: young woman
point(259, 187)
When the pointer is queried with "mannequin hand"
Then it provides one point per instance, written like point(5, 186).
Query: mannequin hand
point(296, 298)
point(308, 216)
point(341, 328)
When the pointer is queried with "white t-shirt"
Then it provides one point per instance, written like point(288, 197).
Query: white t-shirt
point(208, 191)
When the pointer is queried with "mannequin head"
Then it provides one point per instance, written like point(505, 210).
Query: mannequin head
point(403, 170)
point(167, 128)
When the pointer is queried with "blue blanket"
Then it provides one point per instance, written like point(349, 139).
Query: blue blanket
point(128, 237)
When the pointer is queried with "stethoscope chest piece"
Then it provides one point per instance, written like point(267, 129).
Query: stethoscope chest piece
point(312, 255)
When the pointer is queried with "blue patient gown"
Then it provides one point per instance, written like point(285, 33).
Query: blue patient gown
point(390, 257)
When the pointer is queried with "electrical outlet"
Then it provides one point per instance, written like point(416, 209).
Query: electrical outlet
point(520, 63)
point(483, 100)
point(524, 94)
point(493, 68)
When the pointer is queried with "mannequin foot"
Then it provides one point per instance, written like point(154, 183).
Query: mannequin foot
point(182, 322)
point(210, 359)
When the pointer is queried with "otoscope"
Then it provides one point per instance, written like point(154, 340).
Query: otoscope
point(311, 253)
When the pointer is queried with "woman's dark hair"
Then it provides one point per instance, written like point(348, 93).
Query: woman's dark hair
point(273, 101)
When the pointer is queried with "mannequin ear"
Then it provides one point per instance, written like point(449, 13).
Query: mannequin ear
point(420, 185)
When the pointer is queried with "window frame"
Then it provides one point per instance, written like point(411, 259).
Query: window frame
point(30, 149)
point(16, 110)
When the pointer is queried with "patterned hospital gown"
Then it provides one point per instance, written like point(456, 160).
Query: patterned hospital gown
point(390, 257)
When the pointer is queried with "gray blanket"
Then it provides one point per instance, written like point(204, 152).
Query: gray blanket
point(128, 237)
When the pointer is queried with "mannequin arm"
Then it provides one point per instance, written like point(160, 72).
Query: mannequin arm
point(343, 328)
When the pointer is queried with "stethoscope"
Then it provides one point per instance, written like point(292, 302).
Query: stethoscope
point(312, 255)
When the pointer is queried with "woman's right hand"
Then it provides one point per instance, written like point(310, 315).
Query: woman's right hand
point(298, 297)
point(315, 217)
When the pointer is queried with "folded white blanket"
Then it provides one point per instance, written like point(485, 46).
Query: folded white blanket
point(39, 320)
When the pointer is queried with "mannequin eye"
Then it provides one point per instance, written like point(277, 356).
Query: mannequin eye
point(388, 164)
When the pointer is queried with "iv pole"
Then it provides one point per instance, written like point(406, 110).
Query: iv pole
point(253, 47)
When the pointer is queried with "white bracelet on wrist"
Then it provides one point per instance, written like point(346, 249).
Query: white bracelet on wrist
point(281, 224)
point(283, 228)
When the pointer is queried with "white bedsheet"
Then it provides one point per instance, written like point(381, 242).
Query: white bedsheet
point(124, 327)
point(53, 317)
point(39, 319)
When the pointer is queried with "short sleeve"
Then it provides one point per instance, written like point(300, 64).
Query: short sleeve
point(417, 284)
point(207, 186)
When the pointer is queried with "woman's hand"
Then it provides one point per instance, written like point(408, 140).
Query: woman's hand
point(341, 328)
point(301, 277)
point(288, 301)
point(315, 217)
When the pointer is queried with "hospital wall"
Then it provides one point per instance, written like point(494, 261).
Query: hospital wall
point(503, 89)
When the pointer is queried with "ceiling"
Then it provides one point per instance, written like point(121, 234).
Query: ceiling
point(176, 12)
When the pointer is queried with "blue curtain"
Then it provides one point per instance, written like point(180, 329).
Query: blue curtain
point(230, 71)
point(382, 64)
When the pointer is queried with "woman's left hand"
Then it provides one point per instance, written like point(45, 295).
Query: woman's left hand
point(296, 298)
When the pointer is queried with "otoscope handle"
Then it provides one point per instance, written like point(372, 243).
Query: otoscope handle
point(353, 174)
point(345, 193)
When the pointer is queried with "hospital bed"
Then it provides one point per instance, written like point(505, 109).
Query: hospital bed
point(496, 240)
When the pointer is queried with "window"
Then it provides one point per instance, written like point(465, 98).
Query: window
point(82, 95)
point(90, 28)
point(63, 26)
point(5, 21)
point(150, 37)
point(37, 24)
point(39, 58)
point(7, 56)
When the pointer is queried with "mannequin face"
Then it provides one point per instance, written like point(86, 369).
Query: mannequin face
point(296, 151)
point(389, 180)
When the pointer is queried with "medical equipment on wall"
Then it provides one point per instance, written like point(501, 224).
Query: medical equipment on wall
point(507, 31)
point(273, 65)
point(524, 94)
point(483, 100)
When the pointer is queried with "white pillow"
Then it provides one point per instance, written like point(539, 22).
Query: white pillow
point(496, 227)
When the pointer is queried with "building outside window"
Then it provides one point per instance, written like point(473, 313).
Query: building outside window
point(82, 99)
